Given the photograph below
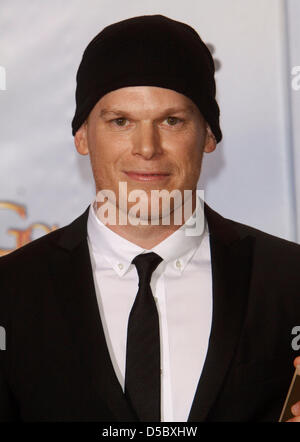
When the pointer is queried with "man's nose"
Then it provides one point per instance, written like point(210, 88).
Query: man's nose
point(146, 141)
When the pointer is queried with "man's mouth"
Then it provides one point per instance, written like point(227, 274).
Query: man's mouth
point(146, 176)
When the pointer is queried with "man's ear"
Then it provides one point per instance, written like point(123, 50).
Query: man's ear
point(210, 140)
point(80, 140)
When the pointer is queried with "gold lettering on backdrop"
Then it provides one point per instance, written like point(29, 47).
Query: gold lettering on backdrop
point(22, 237)
point(21, 210)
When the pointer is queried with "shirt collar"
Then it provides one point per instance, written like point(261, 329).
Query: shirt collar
point(177, 249)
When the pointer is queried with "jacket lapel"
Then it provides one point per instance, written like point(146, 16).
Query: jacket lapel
point(231, 257)
point(74, 287)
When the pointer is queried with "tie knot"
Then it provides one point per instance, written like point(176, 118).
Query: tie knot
point(145, 264)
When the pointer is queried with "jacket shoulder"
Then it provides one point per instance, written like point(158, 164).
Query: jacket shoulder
point(38, 249)
point(267, 239)
point(267, 247)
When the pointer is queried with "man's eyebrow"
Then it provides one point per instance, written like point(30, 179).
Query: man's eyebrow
point(176, 110)
point(103, 112)
point(168, 111)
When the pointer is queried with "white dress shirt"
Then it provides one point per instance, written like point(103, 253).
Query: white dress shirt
point(182, 288)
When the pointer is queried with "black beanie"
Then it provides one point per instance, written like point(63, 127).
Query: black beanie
point(151, 50)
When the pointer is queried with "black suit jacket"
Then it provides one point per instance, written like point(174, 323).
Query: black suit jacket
point(56, 366)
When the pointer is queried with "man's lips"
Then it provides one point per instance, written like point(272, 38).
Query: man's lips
point(146, 176)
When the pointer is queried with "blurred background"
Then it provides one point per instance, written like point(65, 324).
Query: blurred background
point(252, 177)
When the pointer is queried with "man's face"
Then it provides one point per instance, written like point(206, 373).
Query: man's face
point(135, 132)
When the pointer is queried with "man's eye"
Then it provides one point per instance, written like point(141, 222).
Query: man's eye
point(173, 121)
point(120, 121)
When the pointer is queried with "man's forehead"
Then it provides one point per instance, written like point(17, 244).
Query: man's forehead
point(122, 110)
point(144, 97)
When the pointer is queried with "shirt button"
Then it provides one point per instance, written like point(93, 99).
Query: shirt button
point(178, 264)
point(120, 265)
point(161, 371)
point(155, 299)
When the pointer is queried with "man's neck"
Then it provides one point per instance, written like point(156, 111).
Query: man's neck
point(148, 236)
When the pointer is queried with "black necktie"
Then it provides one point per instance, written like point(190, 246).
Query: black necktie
point(142, 376)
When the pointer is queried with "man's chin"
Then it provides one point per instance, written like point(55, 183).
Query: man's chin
point(156, 215)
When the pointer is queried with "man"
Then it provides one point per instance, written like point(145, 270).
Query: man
point(119, 321)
